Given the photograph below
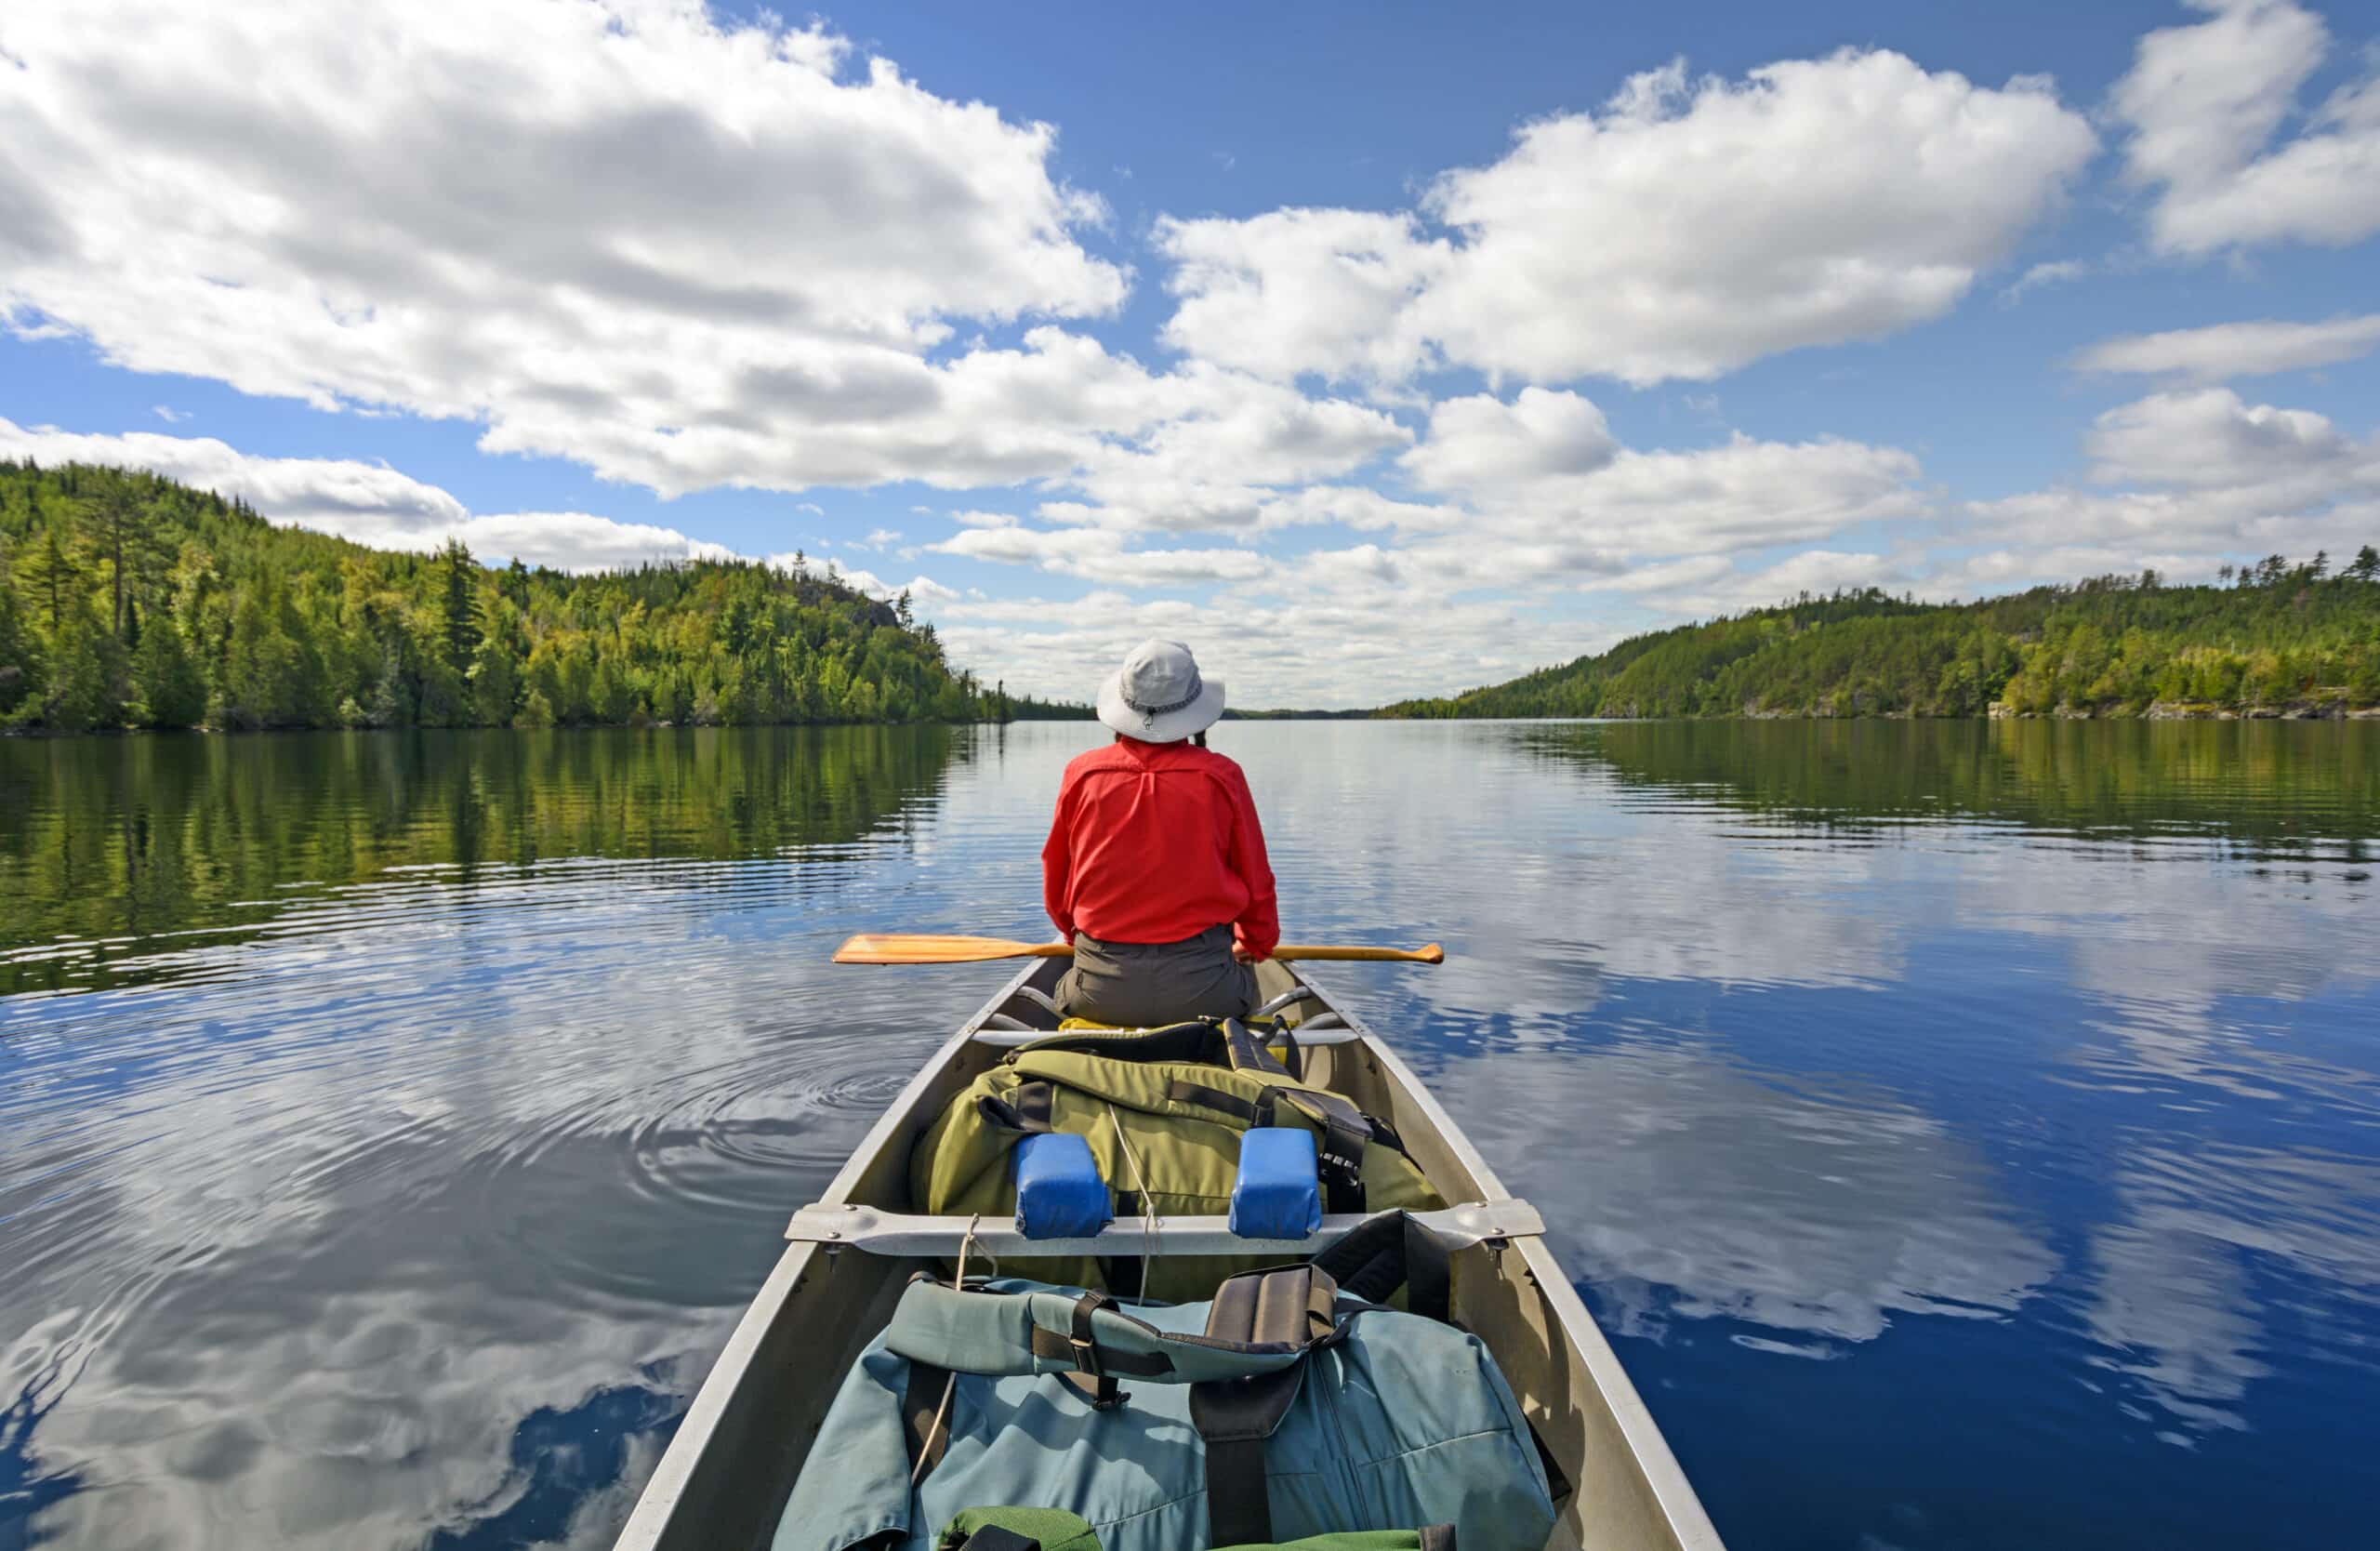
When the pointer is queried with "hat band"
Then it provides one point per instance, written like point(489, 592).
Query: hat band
point(1198, 687)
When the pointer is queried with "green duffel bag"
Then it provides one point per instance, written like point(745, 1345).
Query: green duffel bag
point(1057, 1529)
point(1162, 1111)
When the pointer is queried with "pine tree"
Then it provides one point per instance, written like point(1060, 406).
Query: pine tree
point(51, 576)
point(462, 611)
point(114, 527)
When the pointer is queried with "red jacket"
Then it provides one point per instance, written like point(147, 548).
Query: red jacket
point(1154, 842)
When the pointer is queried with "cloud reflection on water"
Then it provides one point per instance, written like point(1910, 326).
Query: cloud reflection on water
point(1681, 1185)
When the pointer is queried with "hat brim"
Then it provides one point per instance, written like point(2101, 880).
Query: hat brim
point(1173, 726)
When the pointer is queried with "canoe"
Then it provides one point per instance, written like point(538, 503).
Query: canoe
point(723, 1485)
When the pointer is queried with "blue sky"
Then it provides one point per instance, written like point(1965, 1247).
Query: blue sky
point(1373, 350)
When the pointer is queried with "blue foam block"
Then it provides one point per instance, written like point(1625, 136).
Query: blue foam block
point(1059, 1193)
point(1276, 1194)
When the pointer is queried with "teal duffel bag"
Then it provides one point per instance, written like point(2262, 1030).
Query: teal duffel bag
point(1293, 1404)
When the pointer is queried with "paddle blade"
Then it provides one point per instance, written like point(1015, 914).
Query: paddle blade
point(899, 949)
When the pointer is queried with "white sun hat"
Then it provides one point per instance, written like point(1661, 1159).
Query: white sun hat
point(1158, 696)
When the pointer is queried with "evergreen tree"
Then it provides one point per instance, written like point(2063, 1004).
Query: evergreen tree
point(114, 527)
point(462, 608)
point(173, 693)
point(52, 577)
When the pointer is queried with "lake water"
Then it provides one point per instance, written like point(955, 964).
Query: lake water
point(1969, 1134)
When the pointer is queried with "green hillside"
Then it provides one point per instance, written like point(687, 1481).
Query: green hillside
point(129, 600)
point(2274, 640)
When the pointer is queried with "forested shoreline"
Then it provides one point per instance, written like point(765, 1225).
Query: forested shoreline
point(2273, 639)
point(127, 601)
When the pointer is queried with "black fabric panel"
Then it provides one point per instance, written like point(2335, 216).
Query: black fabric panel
point(991, 1537)
point(1429, 1274)
point(1008, 1116)
point(1121, 1273)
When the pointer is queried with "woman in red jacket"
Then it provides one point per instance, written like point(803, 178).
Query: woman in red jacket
point(1154, 865)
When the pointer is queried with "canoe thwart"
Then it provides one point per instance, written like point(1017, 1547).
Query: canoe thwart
point(901, 1233)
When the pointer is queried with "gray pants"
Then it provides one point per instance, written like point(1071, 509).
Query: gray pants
point(1148, 985)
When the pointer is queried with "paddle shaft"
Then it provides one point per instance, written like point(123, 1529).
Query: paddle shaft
point(1350, 952)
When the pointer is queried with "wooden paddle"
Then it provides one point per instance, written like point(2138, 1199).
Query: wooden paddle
point(894, 949)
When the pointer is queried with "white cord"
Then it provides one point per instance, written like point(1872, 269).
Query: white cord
point(1148, 1208)
point(950, 1385)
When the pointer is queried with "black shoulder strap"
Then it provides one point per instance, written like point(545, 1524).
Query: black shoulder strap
point(1389, 1252)
point(1291, 1306)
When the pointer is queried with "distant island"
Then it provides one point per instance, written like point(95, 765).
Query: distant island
point(2274, 640)
point(130, 601)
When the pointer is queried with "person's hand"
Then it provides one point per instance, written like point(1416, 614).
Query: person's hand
point(1239, 952)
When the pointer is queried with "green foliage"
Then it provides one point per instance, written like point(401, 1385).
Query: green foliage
point(126, 600)
point(2284, 640)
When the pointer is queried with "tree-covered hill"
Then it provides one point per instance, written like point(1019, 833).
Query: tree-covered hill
point(129, 600)
point(2275, 639)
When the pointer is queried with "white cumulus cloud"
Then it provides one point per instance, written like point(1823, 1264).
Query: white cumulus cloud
point(1688, 228)
point(2221, 350)
point(2205, 103)
point(684, 251)
point(2182, 481)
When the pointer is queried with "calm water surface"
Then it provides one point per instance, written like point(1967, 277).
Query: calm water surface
point(1968, 1134)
